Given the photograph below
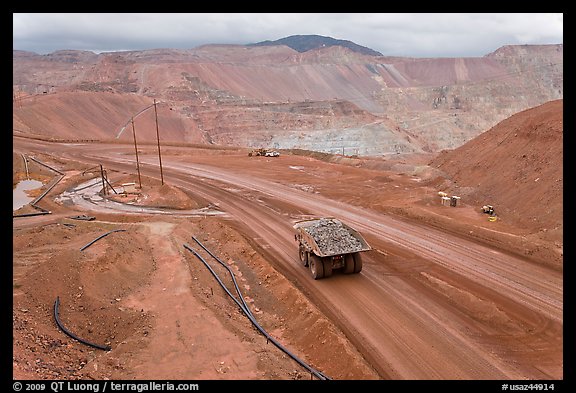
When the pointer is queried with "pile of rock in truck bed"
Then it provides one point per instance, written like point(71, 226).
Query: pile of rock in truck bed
point(332, 237)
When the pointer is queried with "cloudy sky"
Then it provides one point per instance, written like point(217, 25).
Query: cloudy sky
point(412, 35)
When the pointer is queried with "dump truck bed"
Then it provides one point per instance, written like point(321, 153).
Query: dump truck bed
point(329, 236)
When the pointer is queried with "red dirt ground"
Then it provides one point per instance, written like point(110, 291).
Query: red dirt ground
point(154, 303)
point(444, 294)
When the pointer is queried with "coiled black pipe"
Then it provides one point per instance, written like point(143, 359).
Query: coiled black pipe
point(248, 314)
point(100, 237)
point(69, 333)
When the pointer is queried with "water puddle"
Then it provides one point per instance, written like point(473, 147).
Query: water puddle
point(19, 196)
point(86, 196)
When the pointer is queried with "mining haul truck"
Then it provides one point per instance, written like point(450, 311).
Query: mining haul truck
point(327, 244)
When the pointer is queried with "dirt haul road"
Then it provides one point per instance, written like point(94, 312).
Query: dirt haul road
point(427, 305)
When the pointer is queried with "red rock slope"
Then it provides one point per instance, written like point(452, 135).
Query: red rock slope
point(517, 166)
point(98, 115)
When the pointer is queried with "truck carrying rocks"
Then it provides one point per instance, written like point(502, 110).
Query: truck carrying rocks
point(327, 244)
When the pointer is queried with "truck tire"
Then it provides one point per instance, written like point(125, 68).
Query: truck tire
point(316, 267)
point(327, 262)
point(348, 264)
point(357, 262)
point(303, 256)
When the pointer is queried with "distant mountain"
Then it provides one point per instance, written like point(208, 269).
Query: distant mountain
point(304, 43)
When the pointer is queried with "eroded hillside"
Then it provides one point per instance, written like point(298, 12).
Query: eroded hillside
point(330, 99)
point(517, 166)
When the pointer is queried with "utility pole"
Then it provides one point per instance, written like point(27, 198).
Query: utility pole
point(158, 137)
point(102, 176)
point(136, 149)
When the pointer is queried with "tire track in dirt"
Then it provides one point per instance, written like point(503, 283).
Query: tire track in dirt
point(388, 319)
point(387, 335)
point(468, 365)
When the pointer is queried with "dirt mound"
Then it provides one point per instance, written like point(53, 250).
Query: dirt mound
point(515, 166)
point(154, 194)
point(48, 264)
point(91, 115)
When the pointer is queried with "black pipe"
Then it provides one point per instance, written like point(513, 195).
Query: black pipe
point(33, 203)
point(317, 373)
point(88, 186)
point(229, 271)
point(100, 237)
point(69, 333)
point(106, 179)
point(31, 214)
point(49, 167)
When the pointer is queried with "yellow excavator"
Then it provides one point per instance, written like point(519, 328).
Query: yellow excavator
point(257, 152)
point(263, 153)
point(488, 209)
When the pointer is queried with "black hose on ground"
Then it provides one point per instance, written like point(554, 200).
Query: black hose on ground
point(31, 214)
point(229, 271)
point(89, 185)
point(47, 166)
point(69, 333)
point(248, 314)
point(100, 237)
point(35, 201)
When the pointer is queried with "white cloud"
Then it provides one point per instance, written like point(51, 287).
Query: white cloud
point(417, 35)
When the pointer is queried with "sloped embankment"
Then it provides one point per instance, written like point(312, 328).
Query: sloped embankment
point(515, 166)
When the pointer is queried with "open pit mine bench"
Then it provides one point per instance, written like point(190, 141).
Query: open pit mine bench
point(327, 244)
